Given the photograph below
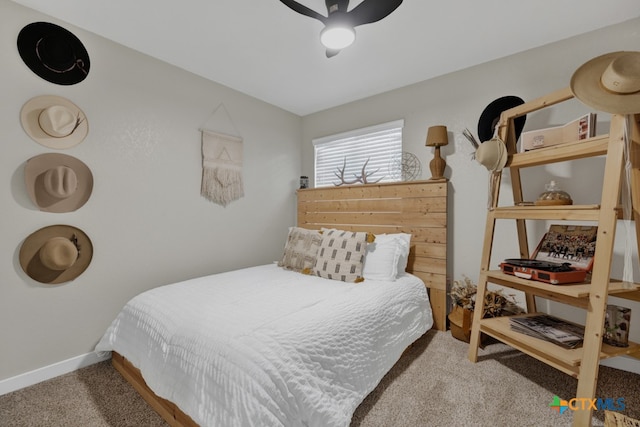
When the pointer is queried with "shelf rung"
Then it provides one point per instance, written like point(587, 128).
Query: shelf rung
point(625, 290)
point(591, 147)
point(568, 212)
point(566, 360)
point(572, 293)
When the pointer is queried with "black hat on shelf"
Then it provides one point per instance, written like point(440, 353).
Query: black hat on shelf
point(491, 116)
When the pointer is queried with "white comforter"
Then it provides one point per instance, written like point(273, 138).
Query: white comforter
point(264, 346)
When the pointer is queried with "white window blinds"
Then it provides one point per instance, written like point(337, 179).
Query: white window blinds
point(345, 155)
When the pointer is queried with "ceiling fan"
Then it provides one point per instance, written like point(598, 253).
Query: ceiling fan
point(339, 26)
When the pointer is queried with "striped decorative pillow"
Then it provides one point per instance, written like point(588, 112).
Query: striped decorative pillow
point(341, 255)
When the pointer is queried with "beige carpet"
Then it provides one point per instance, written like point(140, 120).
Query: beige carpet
point(433, 384)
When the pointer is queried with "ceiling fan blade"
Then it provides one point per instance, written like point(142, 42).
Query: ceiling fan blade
point(304, 10)
point(372, 10)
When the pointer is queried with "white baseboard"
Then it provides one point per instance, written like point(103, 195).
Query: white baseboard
point(46, 373)
point(625, 363)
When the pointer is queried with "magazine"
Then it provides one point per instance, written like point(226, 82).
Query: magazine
point(549, 328)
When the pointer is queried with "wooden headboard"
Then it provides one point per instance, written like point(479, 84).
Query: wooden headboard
point(416, 207)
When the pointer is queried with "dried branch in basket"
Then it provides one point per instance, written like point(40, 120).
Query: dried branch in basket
point(463, 293)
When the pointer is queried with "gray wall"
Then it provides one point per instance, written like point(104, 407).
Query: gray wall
point(146, 219)
point(457, 100)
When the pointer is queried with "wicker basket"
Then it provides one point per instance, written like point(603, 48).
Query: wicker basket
point(460, 323)
point(460, 320)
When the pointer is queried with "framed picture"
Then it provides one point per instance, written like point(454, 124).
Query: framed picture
point(573, 244)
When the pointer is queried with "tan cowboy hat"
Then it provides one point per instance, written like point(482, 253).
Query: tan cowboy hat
point(492, 154)
point(54, 121)
point(610, 83)
point(58, 182)
point(56, 254)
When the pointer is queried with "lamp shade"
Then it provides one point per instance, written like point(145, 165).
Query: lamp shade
point(437, 136)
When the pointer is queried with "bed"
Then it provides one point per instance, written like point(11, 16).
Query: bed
point(273, 345)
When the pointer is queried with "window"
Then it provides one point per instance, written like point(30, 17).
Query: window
point(345, 154)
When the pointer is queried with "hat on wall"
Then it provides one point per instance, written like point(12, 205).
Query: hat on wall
point(58, 182)
point(53, 53)
point(491, 116)
point(492, 154)
point(56, 254)
point(609, 82)
point(54, 121)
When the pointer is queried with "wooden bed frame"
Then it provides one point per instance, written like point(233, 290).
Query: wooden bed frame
point(166, 409)
point(418, 207)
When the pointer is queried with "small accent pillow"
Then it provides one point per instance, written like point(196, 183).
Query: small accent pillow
point(387, 256)
point(301, 249)
point(341, 255)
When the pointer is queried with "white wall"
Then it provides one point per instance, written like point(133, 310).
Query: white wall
point(148, 224)
point(457, 100)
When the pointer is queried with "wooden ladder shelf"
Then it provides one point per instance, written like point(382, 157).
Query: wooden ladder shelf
point(581, 363)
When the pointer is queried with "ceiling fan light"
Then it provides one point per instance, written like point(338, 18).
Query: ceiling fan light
point(337, 37)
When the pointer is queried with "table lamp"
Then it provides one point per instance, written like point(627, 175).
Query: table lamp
point(437, 137)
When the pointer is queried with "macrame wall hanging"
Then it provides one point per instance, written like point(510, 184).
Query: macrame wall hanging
point(221, 160)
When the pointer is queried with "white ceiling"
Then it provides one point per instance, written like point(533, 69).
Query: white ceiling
point(264, 49)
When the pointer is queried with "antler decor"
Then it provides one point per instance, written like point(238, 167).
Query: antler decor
point(340, 175)
point(363, 177)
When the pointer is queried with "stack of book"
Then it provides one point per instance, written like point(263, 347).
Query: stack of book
point(549, 328)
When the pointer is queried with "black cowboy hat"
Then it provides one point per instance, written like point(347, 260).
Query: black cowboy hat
point(53, 53)
point(491, 116)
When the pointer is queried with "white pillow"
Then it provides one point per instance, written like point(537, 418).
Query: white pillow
point(386, 257)
point(404, 257)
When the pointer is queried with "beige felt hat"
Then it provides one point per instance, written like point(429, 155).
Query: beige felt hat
point(54, 121)
point(58, 182)
point(610, 82)
point(56, 254)
point(492, 154)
